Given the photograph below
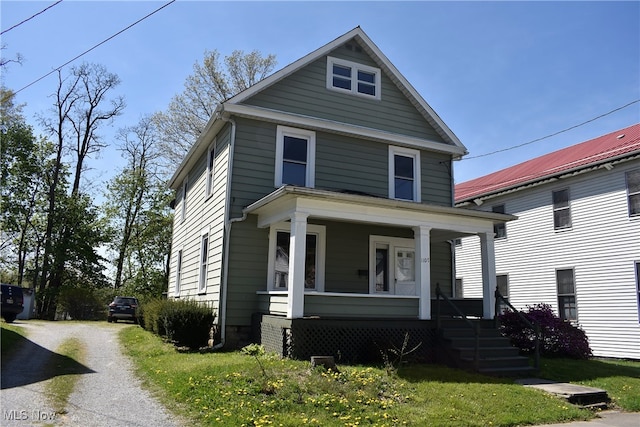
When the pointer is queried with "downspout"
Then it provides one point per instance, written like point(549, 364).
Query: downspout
point(228, 222)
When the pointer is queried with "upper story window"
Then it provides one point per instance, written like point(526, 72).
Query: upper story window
point(404, 174)
point(500, 229)
point(183, 205)
point(633, 192)
point(295, 157)
point(211, 156)
point(354, 78)
point(561, 209)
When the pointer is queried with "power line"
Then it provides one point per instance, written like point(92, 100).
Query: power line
point(553, 134)
point(94, 47)
point(31, 17)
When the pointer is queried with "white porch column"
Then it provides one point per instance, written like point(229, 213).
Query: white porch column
point(423, 270)
point(488, 257)
point(297, 250)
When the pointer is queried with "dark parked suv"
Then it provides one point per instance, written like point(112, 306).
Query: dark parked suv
point(123, 308)
point(12, 302)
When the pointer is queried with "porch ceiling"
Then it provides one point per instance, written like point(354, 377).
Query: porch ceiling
point(446, 222)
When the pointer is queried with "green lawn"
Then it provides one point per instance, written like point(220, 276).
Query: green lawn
point(231, 389)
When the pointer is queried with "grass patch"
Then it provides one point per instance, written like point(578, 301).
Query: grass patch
point(231, 389)
point(621, 379)
point(10, 338)
point(66, 367)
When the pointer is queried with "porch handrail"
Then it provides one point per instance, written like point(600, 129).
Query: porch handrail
point(474, 326)
point(533, 325)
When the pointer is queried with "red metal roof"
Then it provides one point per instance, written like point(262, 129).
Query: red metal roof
point(586, 154)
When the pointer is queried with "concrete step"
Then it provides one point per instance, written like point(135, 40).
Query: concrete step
point(504, 351)
point(484, 342)
point(451, 332)
point(588, 397)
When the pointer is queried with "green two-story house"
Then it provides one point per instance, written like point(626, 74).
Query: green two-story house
point(315, 212)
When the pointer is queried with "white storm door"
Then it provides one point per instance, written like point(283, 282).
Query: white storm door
point(405, 271)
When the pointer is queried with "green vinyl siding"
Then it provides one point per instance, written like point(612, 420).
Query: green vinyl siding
point(378, 307)
point(393, 113)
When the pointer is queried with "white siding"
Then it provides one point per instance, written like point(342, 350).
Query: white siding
point(601, 247)
point(202, 212)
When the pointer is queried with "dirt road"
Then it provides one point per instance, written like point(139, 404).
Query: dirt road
point(107, 394)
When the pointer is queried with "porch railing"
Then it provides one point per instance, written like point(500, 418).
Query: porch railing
point(475, 327)
point(534, 326)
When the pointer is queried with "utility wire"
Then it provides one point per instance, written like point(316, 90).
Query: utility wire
point(30, 18)
point(95, 46)
point(553, 134)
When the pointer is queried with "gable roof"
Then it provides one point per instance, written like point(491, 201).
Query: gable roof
point(380, 59)
point(597, 152)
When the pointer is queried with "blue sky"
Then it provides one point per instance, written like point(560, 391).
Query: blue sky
point(499, 74)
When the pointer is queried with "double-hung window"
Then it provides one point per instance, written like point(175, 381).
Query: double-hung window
point(502, 283)
point(279, 250)
point(176, 291)
point(295, 157)
point(404, 174)
point(566, 294)
point(638, 286)
point(204, 257)
point(183, 205)
point(499, 229)
point(211, 157)
point(633, 192)
point(561, 209)
point(351, 77)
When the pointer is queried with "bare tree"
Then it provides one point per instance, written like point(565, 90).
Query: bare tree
point(211, 83)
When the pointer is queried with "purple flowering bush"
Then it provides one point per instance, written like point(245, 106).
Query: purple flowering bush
point(559, 338)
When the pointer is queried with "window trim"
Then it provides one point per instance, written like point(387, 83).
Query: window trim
point(310, 136)
point(353, 78)
point(501, 225)
point(203, 261)
point(417, 175)
point(178, 276)
point(629, 193)
point(392, 243)
point(211, 167)
point(561, 312)
point(637, 271)
point(320, 231)
point(557, 209)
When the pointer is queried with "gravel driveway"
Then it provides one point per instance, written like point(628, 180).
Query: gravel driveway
point(107, 394)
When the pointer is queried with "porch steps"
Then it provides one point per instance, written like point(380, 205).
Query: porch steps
point(496, 356)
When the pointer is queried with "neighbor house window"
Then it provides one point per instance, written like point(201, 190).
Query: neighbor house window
point(561, 209)
point(279, 243)
point(502, 283)
point(633, 192)
point(178, 273)
point(566, 294)
point(404, 174)
point(638, 287)
point(211, 156)
point(458, 289)
point(295, 157)
point(351, 77)
point(499, 229)
point(183, 207)
point(204, 257)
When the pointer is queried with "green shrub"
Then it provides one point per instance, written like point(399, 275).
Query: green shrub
point(186, 323)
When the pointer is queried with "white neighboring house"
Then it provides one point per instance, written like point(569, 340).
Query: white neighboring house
point(576, 243)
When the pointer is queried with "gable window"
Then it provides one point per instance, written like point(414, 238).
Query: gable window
point(211, 154)
point(561, 209)
point(295, 157)
point(633, 192)
point(404, 174)
point(351, 77)
point(500, 229)
point(204, 257)
point(279, 246)
point(178, 273)
point(566, 294)
point(393, 263)
point(183, 206)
